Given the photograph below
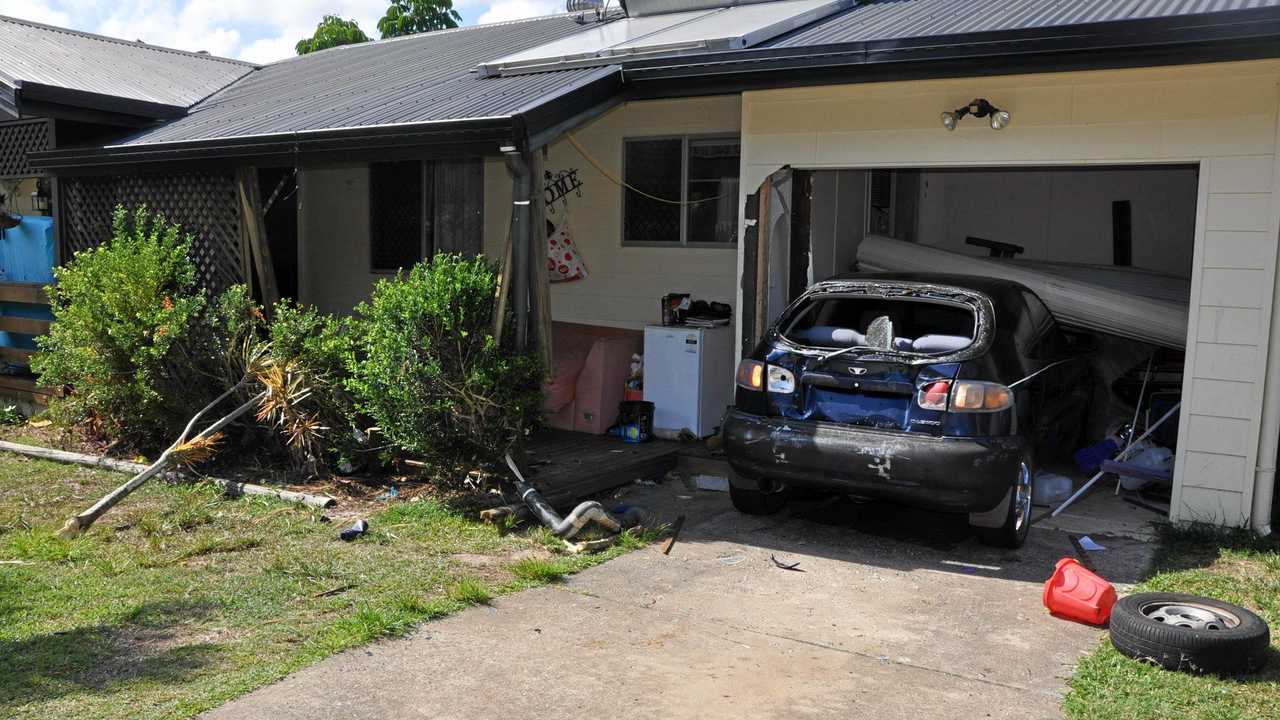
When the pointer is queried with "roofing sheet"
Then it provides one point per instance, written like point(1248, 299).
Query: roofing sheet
point(896, 19)
point(413, 79)
point(35, 53)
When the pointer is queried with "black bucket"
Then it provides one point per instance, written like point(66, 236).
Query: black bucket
point(635, 421)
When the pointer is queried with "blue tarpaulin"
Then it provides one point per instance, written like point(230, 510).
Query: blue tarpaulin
point(26, 256)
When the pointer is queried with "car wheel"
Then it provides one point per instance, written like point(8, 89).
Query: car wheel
point(1018, 522)
point(757, 502)
point(1191, 633)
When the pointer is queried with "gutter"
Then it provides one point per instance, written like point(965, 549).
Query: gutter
point(530, 127)
point(1210, 37)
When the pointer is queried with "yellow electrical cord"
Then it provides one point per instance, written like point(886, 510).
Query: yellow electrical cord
point(622, 183)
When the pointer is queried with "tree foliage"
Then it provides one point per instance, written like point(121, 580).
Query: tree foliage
point(332, 31)
point(406, 17)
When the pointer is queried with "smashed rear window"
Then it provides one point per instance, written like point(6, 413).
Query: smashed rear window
point(920, 325)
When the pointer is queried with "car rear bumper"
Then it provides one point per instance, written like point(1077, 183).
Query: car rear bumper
point(947, 474)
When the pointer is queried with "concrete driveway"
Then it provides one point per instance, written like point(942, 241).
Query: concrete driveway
point(891, 613)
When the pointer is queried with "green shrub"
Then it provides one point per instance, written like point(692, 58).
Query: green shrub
point(134, 337)
point(319, 346)
point(122, 313)
point(428, 370)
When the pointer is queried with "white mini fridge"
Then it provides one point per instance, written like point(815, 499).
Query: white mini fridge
point(688, 376)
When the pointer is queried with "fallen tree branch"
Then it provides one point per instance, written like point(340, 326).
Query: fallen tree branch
point(231, 487)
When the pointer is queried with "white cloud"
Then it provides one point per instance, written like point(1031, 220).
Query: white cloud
point(34, 11)
point(255, 30)
point(502, 10)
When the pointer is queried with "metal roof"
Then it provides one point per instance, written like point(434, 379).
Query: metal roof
point(75, 64)
point(893, 19)
point(410, 80)
point(423, 90)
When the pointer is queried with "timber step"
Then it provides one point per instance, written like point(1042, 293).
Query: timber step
point(568, 466)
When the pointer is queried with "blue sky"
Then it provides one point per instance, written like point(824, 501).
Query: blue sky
point(256, 30)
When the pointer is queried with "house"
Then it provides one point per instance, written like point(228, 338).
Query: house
point(1138, 133)
point(59, 88)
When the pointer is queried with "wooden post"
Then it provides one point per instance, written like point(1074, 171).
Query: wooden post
point(762, 261)
point(256, 232)
point(541, 281)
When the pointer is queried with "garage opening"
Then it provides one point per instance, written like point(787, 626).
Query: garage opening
point(1108, 249)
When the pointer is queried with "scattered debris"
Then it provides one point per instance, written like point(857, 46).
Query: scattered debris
point(794, 567)
point(502, 512)
point(1089, 544)
point(40, 423)
point(391, 494)
point(232, 487)
point(1081, 555)
point(569, 526)
point(1191, 633)
point(359, 528)
point(714, 483)
point(590, 546)
point(334, 591)
point(731, 559)
point(676, 527)
point(1076, 593)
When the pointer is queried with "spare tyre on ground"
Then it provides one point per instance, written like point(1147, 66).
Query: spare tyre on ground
point(1190, 633)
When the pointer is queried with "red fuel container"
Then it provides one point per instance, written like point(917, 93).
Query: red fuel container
point(1075, 593)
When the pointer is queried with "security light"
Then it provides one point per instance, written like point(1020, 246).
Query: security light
point(979, 108)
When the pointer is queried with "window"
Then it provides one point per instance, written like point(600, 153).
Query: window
point(701, 171)
point(398, 205)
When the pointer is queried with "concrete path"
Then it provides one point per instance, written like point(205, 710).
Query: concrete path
point(897, 614)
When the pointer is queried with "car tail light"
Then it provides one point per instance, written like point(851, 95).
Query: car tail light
point(933, 395)
point(972, 396)
point(751, 374)
point(781, 380)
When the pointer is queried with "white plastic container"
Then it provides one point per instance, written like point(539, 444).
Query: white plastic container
point(1051, 489)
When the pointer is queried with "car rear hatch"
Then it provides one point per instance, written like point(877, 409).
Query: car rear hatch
point(868, 353)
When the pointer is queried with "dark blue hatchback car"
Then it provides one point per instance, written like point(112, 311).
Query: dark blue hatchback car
point(937, 391)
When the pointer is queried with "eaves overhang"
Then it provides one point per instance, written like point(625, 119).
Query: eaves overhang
point(1209, 37)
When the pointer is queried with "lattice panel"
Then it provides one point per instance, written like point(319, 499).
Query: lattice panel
point(16, 140)
point(204, 204)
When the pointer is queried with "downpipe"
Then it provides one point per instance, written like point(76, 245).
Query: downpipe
point(1264, 479)
point(572, 524)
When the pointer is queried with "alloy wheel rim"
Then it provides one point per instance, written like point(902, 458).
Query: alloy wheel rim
point(1022, 497)
point(1190, 615)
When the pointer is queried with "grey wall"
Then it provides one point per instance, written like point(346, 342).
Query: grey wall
point(333, 237)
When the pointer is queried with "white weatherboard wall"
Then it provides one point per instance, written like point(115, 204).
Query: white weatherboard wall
point(1064, 214)
point(1222, 116)
point(624, 284)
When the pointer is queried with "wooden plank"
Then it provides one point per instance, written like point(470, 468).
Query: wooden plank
point(570, 466)
point(24, 388)
point(23, 326)
point(17, 356)
point(255, 229)
point(762, 262)
point(28, 293)
point(540, 283)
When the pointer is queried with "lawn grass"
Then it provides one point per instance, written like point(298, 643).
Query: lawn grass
point(1236, 568)
point(180, 599)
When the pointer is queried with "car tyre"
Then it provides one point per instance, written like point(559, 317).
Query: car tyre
point(1191, 633)
point(757, 502)
point(1017, 524)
